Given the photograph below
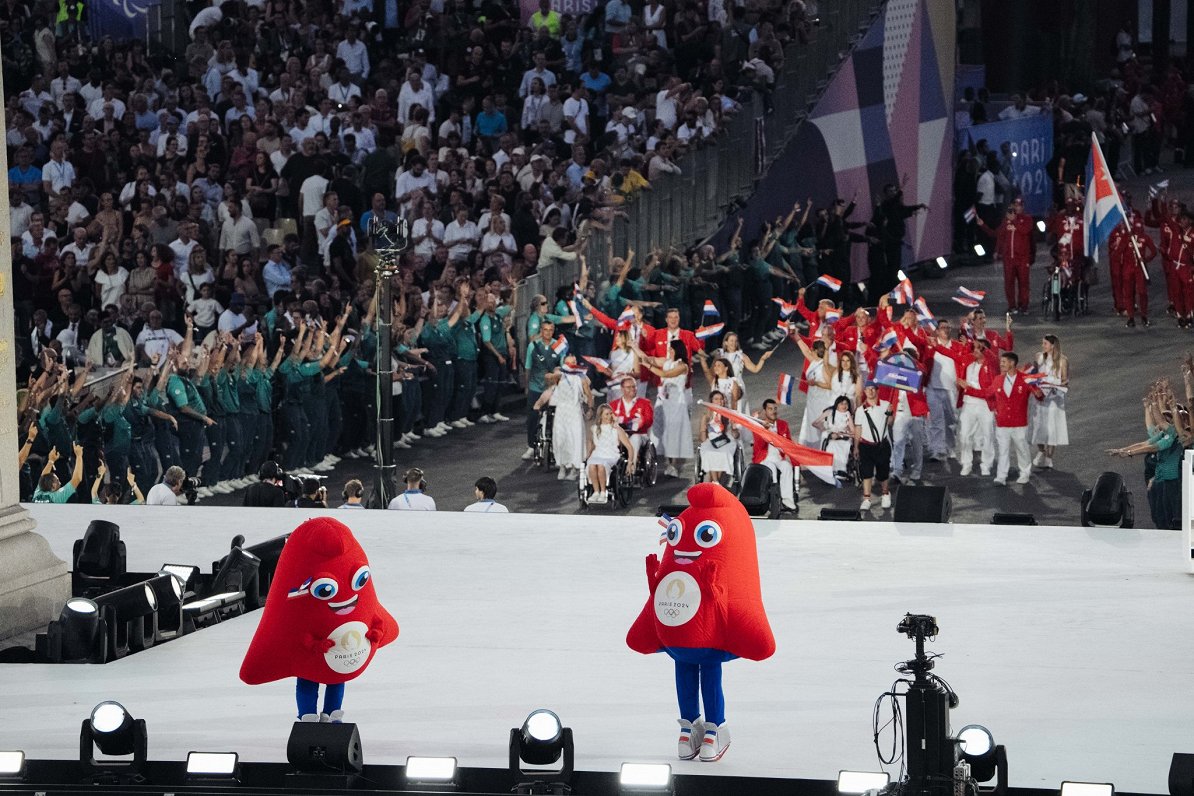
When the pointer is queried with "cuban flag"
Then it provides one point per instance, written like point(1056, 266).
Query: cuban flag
point(970, 215)
point(922, 312)
point(977, 295)
point(602, 365)
point(1103, 211)
point(710, 310)
point(828, 281)
point(560, 346)
point(705, 332)
point(890, 339)
point(902, 292)
point(833, 316)
point(784, 392)
point(626, 318)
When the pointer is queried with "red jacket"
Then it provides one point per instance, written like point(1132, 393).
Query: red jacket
point(1118, 244)
point(846, 339)
point(1171, 233)
point(1013, 238)
point(640, 410)
point(918, 404)
point(1063, 224)
point(759, 453)
point(963, 356)
point(646, 331)
point(1011, 411)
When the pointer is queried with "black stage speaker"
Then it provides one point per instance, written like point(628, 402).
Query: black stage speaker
point(922, 504)
point(1181, 775)
point(318, 748)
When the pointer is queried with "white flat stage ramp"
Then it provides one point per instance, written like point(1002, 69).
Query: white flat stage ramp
point(1074, 646)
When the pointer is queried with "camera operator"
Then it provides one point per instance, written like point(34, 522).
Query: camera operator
point(166, 493)
point(269, 491)
point(314, 495)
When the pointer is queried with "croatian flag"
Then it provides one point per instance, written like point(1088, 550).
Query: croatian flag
point(967, 302)
point(784, 393)
point(626, 318)
point(705, 332)
point(785, 309)
point(902, 292)
point(828, 281)
point(977, 295)
point(833, 316)
point(560, 346)
point(889, 340)
point(1103, 211)
point(922, 312)
point(602, 365)
point(970, 214)
point(710, 310)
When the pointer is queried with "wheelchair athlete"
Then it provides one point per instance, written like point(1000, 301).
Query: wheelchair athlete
point(606, 441)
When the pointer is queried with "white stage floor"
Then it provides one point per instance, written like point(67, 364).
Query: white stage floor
point(1074, 646)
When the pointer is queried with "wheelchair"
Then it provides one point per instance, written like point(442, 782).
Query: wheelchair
point(1065, 292)
point(621, 484)
point(735, 474)
point(850, 474)
point(544, 457)
point(758, 493)
point(646, 471)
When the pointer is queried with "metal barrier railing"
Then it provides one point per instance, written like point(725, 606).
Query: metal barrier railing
point(682, 210)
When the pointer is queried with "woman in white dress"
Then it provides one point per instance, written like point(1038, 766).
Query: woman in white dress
point(847, 379)
point(741, 362)
point(820, 396)
point(605, 436)
point(719, 441)
point(1049, 428)
point(672, 427)
point(569, 396)
point(721, 379)
point(837, 429)
point(623, 361)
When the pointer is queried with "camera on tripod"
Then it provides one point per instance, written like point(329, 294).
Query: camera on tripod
point(920, 626)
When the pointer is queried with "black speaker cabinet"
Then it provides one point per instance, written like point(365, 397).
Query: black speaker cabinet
point(922, 504)
point(317, 748)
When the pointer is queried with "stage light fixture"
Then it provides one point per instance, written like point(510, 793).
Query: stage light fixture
point(212, 609)
point(12, 765)
point(942, 263)
point(130, 614)
point(857, 782)
point(645, 778)
point(267, 553)
point(186, 574)
point(79, 632)
point(98, 559)
point(977, 747)
point(1041, 226)
point(114, 732)
point(213, 766)
point(542, 740)
point(434, 772)
point(236, 571)
point(900, 275)
point(1087, 789)
point(979, 250)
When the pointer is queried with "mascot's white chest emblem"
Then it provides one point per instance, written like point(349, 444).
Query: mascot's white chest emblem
point(351, 648)
point(677, 599)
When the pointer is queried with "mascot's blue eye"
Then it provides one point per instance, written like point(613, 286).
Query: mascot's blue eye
point(324, 588)
point(674, 530)
point(361, 578)
point(708, 534)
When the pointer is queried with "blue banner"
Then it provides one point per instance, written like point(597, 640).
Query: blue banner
point(123, 20)
point(1031, 140)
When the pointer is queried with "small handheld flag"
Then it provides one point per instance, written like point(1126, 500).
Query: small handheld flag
point(705, 332)
point(784, 391)
point(602, 365)
point(902, 292)
point(833, 316)
point(970, 215)
point(889, 340)
point(922, 312)
point(785, 309)
point(966, 302)
point(1032, 378)
point(1154, 190)
point(710, 310)
point(977, 295)
point(627, 316)
point(560, 346)
point(577, 370)
point(829, 282)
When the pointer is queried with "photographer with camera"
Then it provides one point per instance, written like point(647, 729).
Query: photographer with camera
point(315, 495)
point(270, 491)
point(166, 493)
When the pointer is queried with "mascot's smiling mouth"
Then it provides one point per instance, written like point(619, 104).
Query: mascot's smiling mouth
point(684, 558)
point(344, 608)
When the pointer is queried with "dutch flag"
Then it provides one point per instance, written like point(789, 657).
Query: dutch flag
point(560, 346)
point(705, 332)
point(970, 215)
point(710, 310)
point(833, 316)
point(785, 309)
point(828, 281)
point(784, 391)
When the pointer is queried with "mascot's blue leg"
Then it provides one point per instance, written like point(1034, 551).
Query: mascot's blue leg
point(688, 681)
point(306, 694)
point(333, 697)
point(712, 694)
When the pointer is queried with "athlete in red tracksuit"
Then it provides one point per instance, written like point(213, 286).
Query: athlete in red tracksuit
point(1069, 222)
point(1015, 246)
point(1121, 255)
point(1164, 216)
point(1183, 269)
point(1133, 277)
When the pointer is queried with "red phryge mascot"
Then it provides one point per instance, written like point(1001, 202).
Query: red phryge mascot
point(705, 608)
point(322, 622)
